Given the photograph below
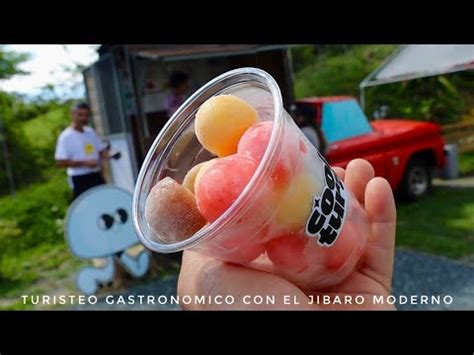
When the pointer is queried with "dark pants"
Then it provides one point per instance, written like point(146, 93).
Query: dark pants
point(84, 182)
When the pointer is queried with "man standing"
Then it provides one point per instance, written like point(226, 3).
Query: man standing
point(80, 150)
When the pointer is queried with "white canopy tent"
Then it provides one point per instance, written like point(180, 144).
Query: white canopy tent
point(418, 61)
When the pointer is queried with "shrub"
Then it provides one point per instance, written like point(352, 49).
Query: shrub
point(34, 216)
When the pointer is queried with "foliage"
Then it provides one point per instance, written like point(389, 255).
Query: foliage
point(43, 131)
point(9, 63)
point(434, 99)
point(338, 72)
point(15, 149)
point(466, 163)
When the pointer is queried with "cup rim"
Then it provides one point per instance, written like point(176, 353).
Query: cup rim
point(242, 203)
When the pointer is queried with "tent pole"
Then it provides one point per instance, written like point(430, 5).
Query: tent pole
point(362, 97)
point(368, 79)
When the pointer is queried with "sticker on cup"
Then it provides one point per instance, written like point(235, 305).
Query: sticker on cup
point(329, 209)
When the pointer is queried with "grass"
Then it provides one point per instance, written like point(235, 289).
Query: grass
point(33, 252)
point(466, 163)
point(441, 223)
point(43, 270)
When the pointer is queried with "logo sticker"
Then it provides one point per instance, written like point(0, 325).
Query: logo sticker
point(329, 209)
point(88, 148)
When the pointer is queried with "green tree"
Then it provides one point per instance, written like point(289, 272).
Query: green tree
point(9, 63)
point(9, 67)
point(336, 69)
point(11, 142)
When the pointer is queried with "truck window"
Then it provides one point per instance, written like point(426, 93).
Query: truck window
point(342, 120)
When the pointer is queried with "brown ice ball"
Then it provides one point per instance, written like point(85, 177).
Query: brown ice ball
point(171, 212)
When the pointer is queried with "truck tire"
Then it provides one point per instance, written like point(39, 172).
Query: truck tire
point(416, 180)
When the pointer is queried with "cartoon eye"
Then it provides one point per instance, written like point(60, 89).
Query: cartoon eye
point(105, 221)
point(121, 216)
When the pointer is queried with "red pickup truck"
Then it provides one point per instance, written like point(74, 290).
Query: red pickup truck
point(405, 152)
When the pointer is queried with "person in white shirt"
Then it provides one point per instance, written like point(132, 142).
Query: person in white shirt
point(80, 150)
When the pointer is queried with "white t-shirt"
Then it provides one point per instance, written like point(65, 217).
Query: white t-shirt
point(75, 145)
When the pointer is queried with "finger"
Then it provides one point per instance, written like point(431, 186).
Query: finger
point(358, 174)
point(204, 276)
point(340, 172)
point(382, 215)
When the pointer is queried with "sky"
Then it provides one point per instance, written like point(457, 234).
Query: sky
point(46, 66)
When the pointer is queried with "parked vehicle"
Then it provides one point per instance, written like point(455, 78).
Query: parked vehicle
point(403, 151)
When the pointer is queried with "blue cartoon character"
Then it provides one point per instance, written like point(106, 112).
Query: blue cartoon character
point(99, 225)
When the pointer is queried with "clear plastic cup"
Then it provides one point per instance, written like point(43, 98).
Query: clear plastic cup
point(294, 218)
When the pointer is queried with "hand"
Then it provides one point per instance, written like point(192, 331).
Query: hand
point(204, 276)
point(115, 155)
point(109, 154)
point(91, 163)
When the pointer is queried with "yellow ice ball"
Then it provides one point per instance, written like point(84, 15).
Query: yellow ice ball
point(188, 181)
point(206, 165)
point(190, 178)
point(221, 121)
point(296, 205)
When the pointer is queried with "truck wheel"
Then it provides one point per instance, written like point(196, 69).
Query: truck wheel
point(416, 180)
